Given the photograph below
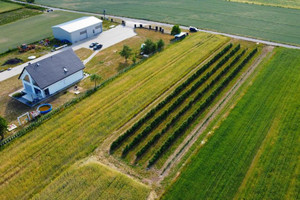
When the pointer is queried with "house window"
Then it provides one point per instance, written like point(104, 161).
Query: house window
point(26, 78)
point(37, 91)
point(47, 93)
point(83, 32)
point(97, 27)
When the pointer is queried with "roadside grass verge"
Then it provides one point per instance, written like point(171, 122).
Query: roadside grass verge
point(241, 147)
point(92, 180)
point(76, 132)
point(83, 53)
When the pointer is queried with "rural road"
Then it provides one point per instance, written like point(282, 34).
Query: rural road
point(140, 21)
point(107, 38)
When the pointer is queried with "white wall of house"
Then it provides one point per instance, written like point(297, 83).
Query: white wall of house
point(78, 35)
point(64, 83)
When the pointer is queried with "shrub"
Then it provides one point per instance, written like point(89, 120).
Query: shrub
point(175, 30)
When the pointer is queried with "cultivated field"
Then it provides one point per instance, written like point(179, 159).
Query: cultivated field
point(254, 154)
point(269, 23)
point(33, 29)
point(31, 162)
point(92, 180)
point(5, 6)
point(151, 139)
point(281, 3)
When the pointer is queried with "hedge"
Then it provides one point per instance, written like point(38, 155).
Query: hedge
point(177, 103)
point(178, 132)
point(152, 112)
point(198, 96)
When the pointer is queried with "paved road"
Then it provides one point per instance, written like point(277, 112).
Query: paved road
point(139, 21)
point(106, 38)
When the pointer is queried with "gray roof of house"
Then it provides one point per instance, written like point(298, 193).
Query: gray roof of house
point(52, 69)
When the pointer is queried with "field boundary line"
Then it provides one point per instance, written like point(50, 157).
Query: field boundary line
point(194, 135)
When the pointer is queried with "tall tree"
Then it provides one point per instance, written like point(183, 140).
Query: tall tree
point(95, 78)
point(3, 127)
point(126, 52)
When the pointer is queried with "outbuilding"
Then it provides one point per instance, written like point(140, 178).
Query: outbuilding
point(51, 75)
point(78, 29)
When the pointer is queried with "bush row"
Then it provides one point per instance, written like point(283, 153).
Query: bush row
point(177, 103)
point(198, 96)
point(178, 132)
point(151, 113)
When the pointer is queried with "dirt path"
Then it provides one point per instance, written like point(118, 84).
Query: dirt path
point(194, 135)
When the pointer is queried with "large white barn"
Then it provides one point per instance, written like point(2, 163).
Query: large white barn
point(78, 29)
point(51, 75)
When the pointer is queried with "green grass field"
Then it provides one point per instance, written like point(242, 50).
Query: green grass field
point(31, 29)
point(93, 180)
point(269, 23)
point(18, 14)
point(281, 3)
point(5, 6)
point(254, 154)
point(30, 163)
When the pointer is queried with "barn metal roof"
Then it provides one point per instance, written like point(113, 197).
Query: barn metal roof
point(78, 24)
point(54, 68)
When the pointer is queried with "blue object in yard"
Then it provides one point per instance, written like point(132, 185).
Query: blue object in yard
point(56, 45)
point(44, 108)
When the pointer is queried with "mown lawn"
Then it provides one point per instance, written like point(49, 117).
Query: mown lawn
point(30, 163)
point(5, 6)
point(281, 3)
point(32, 29)
point(254, 154)
point(92, 180)
point(266, 22)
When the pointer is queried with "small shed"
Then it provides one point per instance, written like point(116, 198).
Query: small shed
point(78, 29)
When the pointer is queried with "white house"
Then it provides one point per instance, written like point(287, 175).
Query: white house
point(78, 29)
point(51, 75)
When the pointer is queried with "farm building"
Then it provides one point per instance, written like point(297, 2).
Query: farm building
point(78, 29)
point(51, 75)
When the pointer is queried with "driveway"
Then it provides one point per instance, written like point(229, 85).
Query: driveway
point(107, 38)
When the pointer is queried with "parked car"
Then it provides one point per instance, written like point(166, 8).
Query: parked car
point(193, 29)
point(93, 44)
point(98, 47)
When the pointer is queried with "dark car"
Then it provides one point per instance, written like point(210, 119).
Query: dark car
point(193, 29)
point(93, 44)
point(97, 47)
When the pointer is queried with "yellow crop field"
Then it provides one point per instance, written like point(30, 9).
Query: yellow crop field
point(33, 161)
point(93, 180)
